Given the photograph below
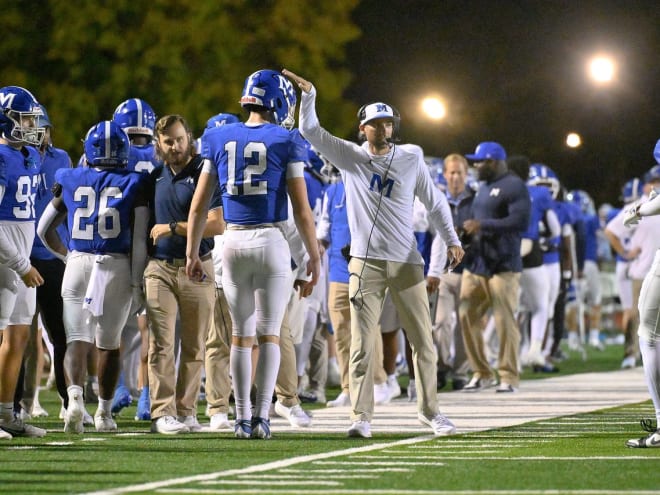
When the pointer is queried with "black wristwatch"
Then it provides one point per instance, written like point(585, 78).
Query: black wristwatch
point(173, 228)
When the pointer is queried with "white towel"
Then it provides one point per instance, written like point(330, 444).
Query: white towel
point(98, 282)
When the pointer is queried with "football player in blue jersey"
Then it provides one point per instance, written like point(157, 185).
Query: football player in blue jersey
point(107, 217)
point(19, 182)
point(49, 295)
point(136, 117)
point(256, 163)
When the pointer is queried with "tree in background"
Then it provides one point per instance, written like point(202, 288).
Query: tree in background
point(81, 59)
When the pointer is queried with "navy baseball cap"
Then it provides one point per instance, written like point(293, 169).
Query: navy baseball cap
point(488, 150)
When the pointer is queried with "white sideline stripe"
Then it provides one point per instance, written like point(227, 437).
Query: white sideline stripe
point(271, 482)
point(308, 475)
point(385, 463)
point(143, 487)
point(347, 469)
point(539, 399)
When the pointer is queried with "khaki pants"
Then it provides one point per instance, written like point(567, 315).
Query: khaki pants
point(408, 288)
point(218, 344)
point(447, 330)
point(499, 292)
point(286, 387)
point(168, 291)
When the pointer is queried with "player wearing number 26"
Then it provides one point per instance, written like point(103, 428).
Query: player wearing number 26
point(107, 215)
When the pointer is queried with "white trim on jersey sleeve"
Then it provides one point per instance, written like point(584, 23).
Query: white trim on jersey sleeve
point(209, 168)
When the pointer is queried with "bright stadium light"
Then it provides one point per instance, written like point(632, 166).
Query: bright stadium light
point(602, 69)
point(573, 140)
point(434, 108)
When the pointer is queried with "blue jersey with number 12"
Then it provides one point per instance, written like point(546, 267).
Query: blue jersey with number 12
point(252, 166)
point(99, 203)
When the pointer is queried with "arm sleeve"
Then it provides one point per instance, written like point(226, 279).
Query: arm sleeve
point(343, 154)
point(554, 227)
point(518, 217)
point(296, 246)
point(437, 206)
point(11, 257)
point(48, 219)
point(651, 207)
point(139, 245)
point(438, 258)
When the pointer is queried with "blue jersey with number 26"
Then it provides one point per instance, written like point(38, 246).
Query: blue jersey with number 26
point(252, 165)
point(99, 203)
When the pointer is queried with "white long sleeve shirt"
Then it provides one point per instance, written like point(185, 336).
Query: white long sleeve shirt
point(380, 190)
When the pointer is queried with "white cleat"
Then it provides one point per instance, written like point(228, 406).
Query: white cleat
point(360, 429)
point(168, 425)
point(343, 399)
point(191, 422)
point(103, 422)
point(296, 415)
point(439, 423)
point(220, 421)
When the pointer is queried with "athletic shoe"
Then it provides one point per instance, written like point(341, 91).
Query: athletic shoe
point(393, 387)
point(191, 422)
point(121, 399)
point(260, 428)
point(628, 362)
point(360, 429)
point(412, 391)
point(533, 359)
point(477, 384)
point(545, 368)
point(458, 384)
point(308, 397)
point(87, 418)
point(220, 421)
point(381, 393)
point(334, 378)
point(17, 428)
point(440, 424)
point(243, 428)
point(38, 411)
point(296, 415)
point(168, 425)
point(103, 421)
point(505, 388)
point(343, 399)
point(5, 435)
point(143, 412)
point(74, 416)
point(651, 440)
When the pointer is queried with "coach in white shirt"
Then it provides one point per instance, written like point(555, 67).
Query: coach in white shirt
point(382, 180)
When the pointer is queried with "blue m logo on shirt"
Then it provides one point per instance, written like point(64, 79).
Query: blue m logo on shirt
point(376, 184)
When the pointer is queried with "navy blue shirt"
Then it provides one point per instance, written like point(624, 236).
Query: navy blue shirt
point(503, 208)
point(461, 210)
point(172, 195)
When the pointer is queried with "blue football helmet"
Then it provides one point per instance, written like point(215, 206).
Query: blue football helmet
point(632, 190)
point(274, 92)
point(18, 120)
point(135, 116)
point(653, 175)
point(221, 119)
point(106, 145)
point(542, 175)
point(583, 200)
point(656, 151)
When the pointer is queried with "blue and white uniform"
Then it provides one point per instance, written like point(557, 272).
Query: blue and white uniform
point(142, 158)
point(19, 177)
point(252, 164)
point(97, 278)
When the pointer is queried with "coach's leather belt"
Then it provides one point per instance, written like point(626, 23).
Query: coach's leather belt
point(236, 226)
point(181, 262)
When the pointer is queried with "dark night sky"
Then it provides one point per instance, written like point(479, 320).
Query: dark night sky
point(515, 72)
